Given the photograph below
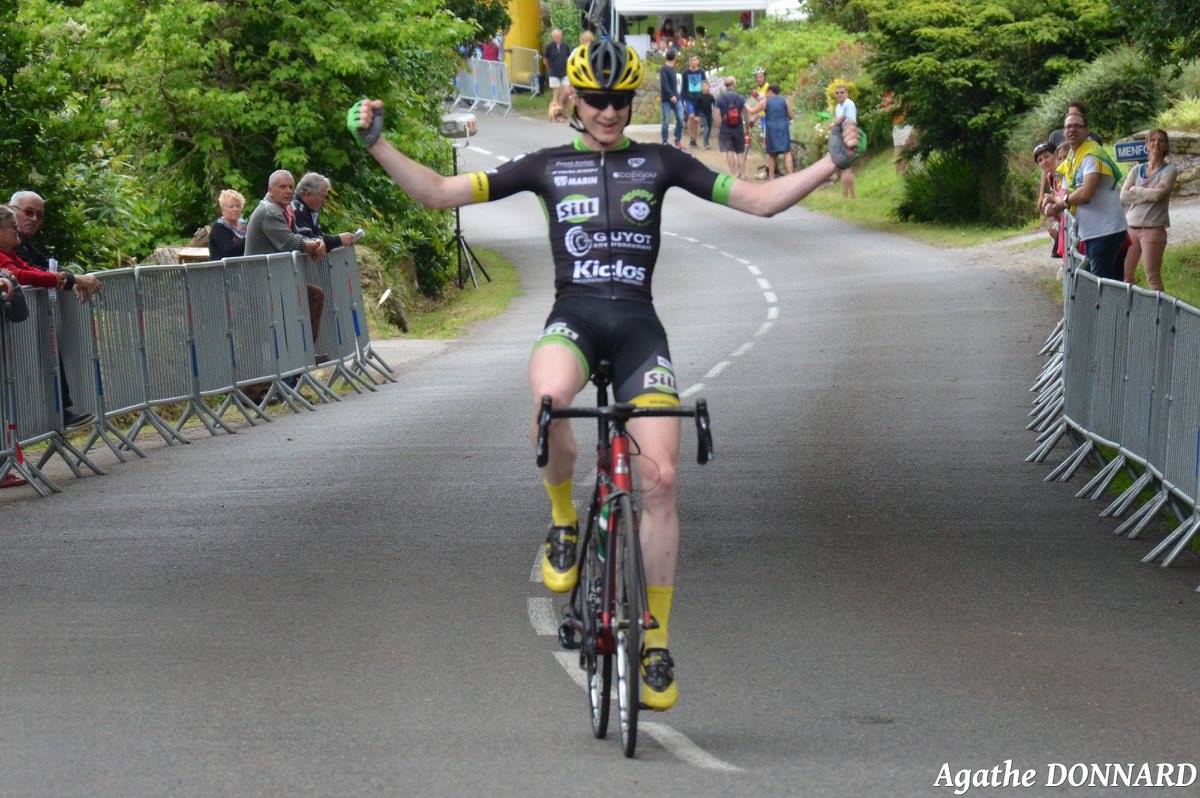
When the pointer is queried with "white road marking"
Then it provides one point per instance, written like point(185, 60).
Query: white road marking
point(689, 238)
point(479, 150)
point(694, 389)
point(750, 267)
point(536, 574)
point(770, 295)
point(764, 284)
point(773, 312)
point(683, 748)
point(669, 233)
point(541, 615)
point(502, 159)
point(743, 349)
point(727, 254)
point(708, 246)
point(715, 370)
point(765, 328)
point(743, 261)
point(672, 741)
point(527, 119)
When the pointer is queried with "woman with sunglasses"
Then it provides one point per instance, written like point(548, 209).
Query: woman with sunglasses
point(603, 194)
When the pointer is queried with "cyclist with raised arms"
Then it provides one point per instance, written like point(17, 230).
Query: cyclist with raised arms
point(603, 194)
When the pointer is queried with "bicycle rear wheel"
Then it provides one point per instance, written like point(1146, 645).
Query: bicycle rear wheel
point(629, 624)
point(596, 664)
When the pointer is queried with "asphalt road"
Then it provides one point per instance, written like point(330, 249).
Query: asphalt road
point(872, 582)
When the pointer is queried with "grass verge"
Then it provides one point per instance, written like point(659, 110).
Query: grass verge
point(534, 105)
point(450, 315)
point(879, 189)
point(1181, 272)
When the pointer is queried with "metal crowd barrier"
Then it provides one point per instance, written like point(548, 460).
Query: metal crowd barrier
point(181, 335)
point(484, 83)
point(525, 69)
point(1124, 373)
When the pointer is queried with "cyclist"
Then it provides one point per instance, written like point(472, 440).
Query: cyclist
point(603, 194)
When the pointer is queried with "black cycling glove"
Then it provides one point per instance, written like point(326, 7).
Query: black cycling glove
point(842, 157)
point(370, 134)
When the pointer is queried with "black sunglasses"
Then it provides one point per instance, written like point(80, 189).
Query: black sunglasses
point(600, 100)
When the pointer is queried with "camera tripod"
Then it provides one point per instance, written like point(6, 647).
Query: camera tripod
point(468, 261)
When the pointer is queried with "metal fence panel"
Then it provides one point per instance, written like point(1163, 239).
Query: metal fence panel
point(1183, 425)
point(33, 390)
point(1163, 369)
point(209, 311)
point(289, 300)
point(163, 309)
point(343, 271)
point(524, 68)
point(1112, 334)
point(254, 336)
point(318, 273)
point(75, 347)
point(116, 328)
point(1080, 347)
point(1137, 406)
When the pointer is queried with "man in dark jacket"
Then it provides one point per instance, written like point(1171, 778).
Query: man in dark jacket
point(668, 89)
point(311, 194)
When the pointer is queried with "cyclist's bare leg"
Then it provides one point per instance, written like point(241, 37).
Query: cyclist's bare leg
point(658, 448)
point(555, 371)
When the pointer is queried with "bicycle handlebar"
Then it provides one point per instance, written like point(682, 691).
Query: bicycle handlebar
point(622, 412)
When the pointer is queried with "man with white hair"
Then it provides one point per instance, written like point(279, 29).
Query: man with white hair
point(272, 228)
point(312, 192)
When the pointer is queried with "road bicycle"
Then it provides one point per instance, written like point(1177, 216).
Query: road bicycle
point(607, 610)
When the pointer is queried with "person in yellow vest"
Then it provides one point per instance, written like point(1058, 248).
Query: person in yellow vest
point(1093, 199)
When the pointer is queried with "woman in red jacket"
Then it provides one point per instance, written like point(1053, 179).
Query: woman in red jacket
point(25, 274)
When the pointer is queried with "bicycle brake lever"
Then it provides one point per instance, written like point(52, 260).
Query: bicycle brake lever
point(704, 442)
point(543, 453)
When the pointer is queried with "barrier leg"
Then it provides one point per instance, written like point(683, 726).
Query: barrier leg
point(1043, 449)
point(1122, 502)
point(1103, 478)
point(239, 401)
point(1144, 515)
point(32, 476)
point(1181, 536)
point(1066, 469)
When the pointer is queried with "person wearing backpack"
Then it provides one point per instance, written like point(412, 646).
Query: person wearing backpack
point(731, 138)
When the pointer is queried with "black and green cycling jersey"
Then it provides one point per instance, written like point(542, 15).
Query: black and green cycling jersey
point(604, 209)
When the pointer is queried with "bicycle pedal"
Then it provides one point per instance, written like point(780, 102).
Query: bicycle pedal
point(568, 638)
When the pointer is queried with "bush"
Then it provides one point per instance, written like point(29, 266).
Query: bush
point(944, 187)
point(783, 48)
point(1184, 114)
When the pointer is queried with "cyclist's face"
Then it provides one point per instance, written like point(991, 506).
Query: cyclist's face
point(606, 126)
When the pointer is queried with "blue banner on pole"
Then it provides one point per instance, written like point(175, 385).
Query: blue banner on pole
point(1132, 151)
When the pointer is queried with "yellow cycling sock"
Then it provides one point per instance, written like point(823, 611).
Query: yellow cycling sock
point(660, 607)
point(562, 508)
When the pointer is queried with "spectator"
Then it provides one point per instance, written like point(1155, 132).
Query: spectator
point(587, 37)
point(1092, 197)
point(757, 105)
point(681, 38)
point(777, 115)
point(490, 49)
point(31, 213)
point(731, 137)
point(555, 57)
point(668, 89)
point(1043, 155)
point(312, 192)
point(1147, 192)
point(227, 236)
point(693, 80)
point(666, 34)
point(12, 298)
point(845, 111)
point(30, 210)
point(704, 110)
point(272, 228)
point(701, 33)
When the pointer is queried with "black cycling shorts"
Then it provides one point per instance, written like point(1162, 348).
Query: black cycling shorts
point(628, 335)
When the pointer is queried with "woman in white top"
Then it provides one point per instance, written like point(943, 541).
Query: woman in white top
point(1147, 192)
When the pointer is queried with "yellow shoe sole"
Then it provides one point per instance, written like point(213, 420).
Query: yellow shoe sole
point(558, 581)
point(659, 702)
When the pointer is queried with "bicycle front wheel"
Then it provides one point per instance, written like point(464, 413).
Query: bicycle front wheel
point(596, 663)
point(628, 619)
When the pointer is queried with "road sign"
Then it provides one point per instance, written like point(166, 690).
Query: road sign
point(1132, 151)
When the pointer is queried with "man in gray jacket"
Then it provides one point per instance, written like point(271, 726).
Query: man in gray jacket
point(272, 228)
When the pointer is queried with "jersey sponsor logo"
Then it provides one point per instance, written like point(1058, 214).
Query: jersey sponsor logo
point(592, 270)
point(634, 163)
point(662, 361)
point(660, 379)
point(561, 328)
point(637, 206)
point(565, 180)
point(578, 242)
point(636, 175)
point(576, 208)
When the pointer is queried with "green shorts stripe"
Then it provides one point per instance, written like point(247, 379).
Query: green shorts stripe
point(555, 338)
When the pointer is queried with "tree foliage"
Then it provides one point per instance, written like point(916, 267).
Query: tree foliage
point(783, 48)
point(965, 70)
point(489, 16)
point(1166, 30)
